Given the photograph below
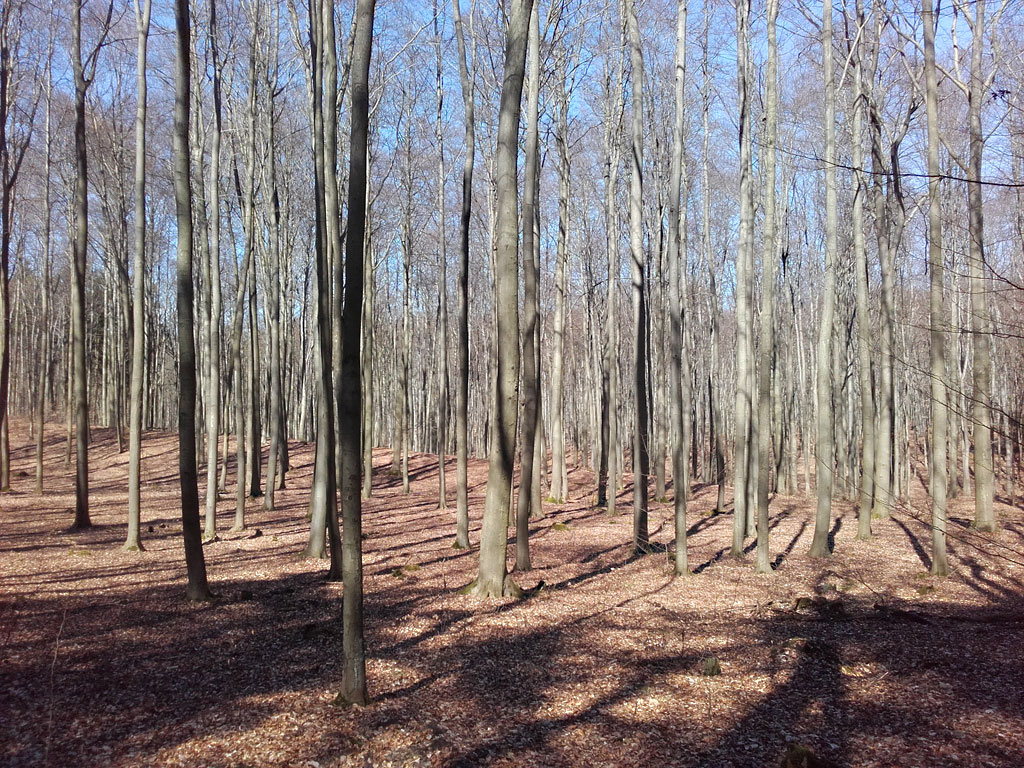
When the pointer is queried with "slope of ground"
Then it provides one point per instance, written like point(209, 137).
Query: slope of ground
point(864, 657)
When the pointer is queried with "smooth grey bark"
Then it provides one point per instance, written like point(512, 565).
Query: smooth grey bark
point(864, 329)
point(531, 372)
point(442, 306)
point(462, 384)
point(824, 462)
point(742, 444)
point(984, 486)
point(641, 428)
point(326, 483)
point(275, 454)
point(216, 310)
point(492, 578)
point(613, 113)
point(79, 249)
point(353, 681)
point(937, 474)
point(132, 542)
point(44, 369)
point(767, 350)
point(197, 588)
point(679, 428)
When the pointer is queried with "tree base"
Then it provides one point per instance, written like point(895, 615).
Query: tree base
point(132, 546)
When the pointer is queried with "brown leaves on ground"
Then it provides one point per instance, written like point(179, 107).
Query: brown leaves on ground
point(862, 658)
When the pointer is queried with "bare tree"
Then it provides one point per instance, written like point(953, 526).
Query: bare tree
point(767, 350)
point(197, 589)
point(353, 681)
point(462, 386)
point(142, 16)
point(641, 429)
point(492, 578)
point(823, 447)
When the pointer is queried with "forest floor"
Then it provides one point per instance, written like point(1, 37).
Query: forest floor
point(862, 656)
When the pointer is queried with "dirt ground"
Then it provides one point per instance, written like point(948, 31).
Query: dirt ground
point(863, 656)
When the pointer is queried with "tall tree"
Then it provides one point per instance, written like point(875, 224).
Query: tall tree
point(531, 377)
point(212, 396)
point(767, 350)
point(462, 385)
point(743, 443)
point(442, 260)
point(864, 329)
point(937, 470)
point(353, 681)
point(677, 266)
point(641, 429)
point(142, 16)
point(492, 578)
point(195, 561)
point(984, 516)
point(823, 446)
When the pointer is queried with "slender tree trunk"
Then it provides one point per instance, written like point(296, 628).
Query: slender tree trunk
point(937, 475)
point(462, 385)
point(743, 447)
point(442, 309)
point(138, 286)
point(275, 454)
point(823, 447)
point(531, 379)
point(641, 429)
point(767, 350)
point(984, 486)
point(677, 266)
point(492, 578)
point(216, 311)
point(197, 589)
point(353, 681)
point(864, 329)
point(79, 259)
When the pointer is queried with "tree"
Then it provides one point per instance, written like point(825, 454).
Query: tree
point(492, 578)
point(641, 430)
point(462, 385)
point(216, 313)
point(867, 400)
point(197, 589)
point(677, 259)
point(442, 301)
point(823, 447)
point(531, 373)
point(937, 315)
point(353, 681)
point(767, 350)
point(84, 71)
point(142, 16)
point(744, 438)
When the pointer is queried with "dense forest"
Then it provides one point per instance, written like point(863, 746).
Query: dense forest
point(731, 266)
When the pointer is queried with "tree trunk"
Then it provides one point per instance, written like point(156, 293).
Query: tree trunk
point(353, 681)
point(138, 287)
point(531, 377)
point(677, 266)
point(79, 262)
point(197, 589)
point(743, 448)
point(984, 516)
point(864, 329)
point(462, 385)
point(491, 578)
point(823, 446)
point(641, 430)
point(767, 350)
point(442, 308)
point(216, 312)
point(937, 476)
